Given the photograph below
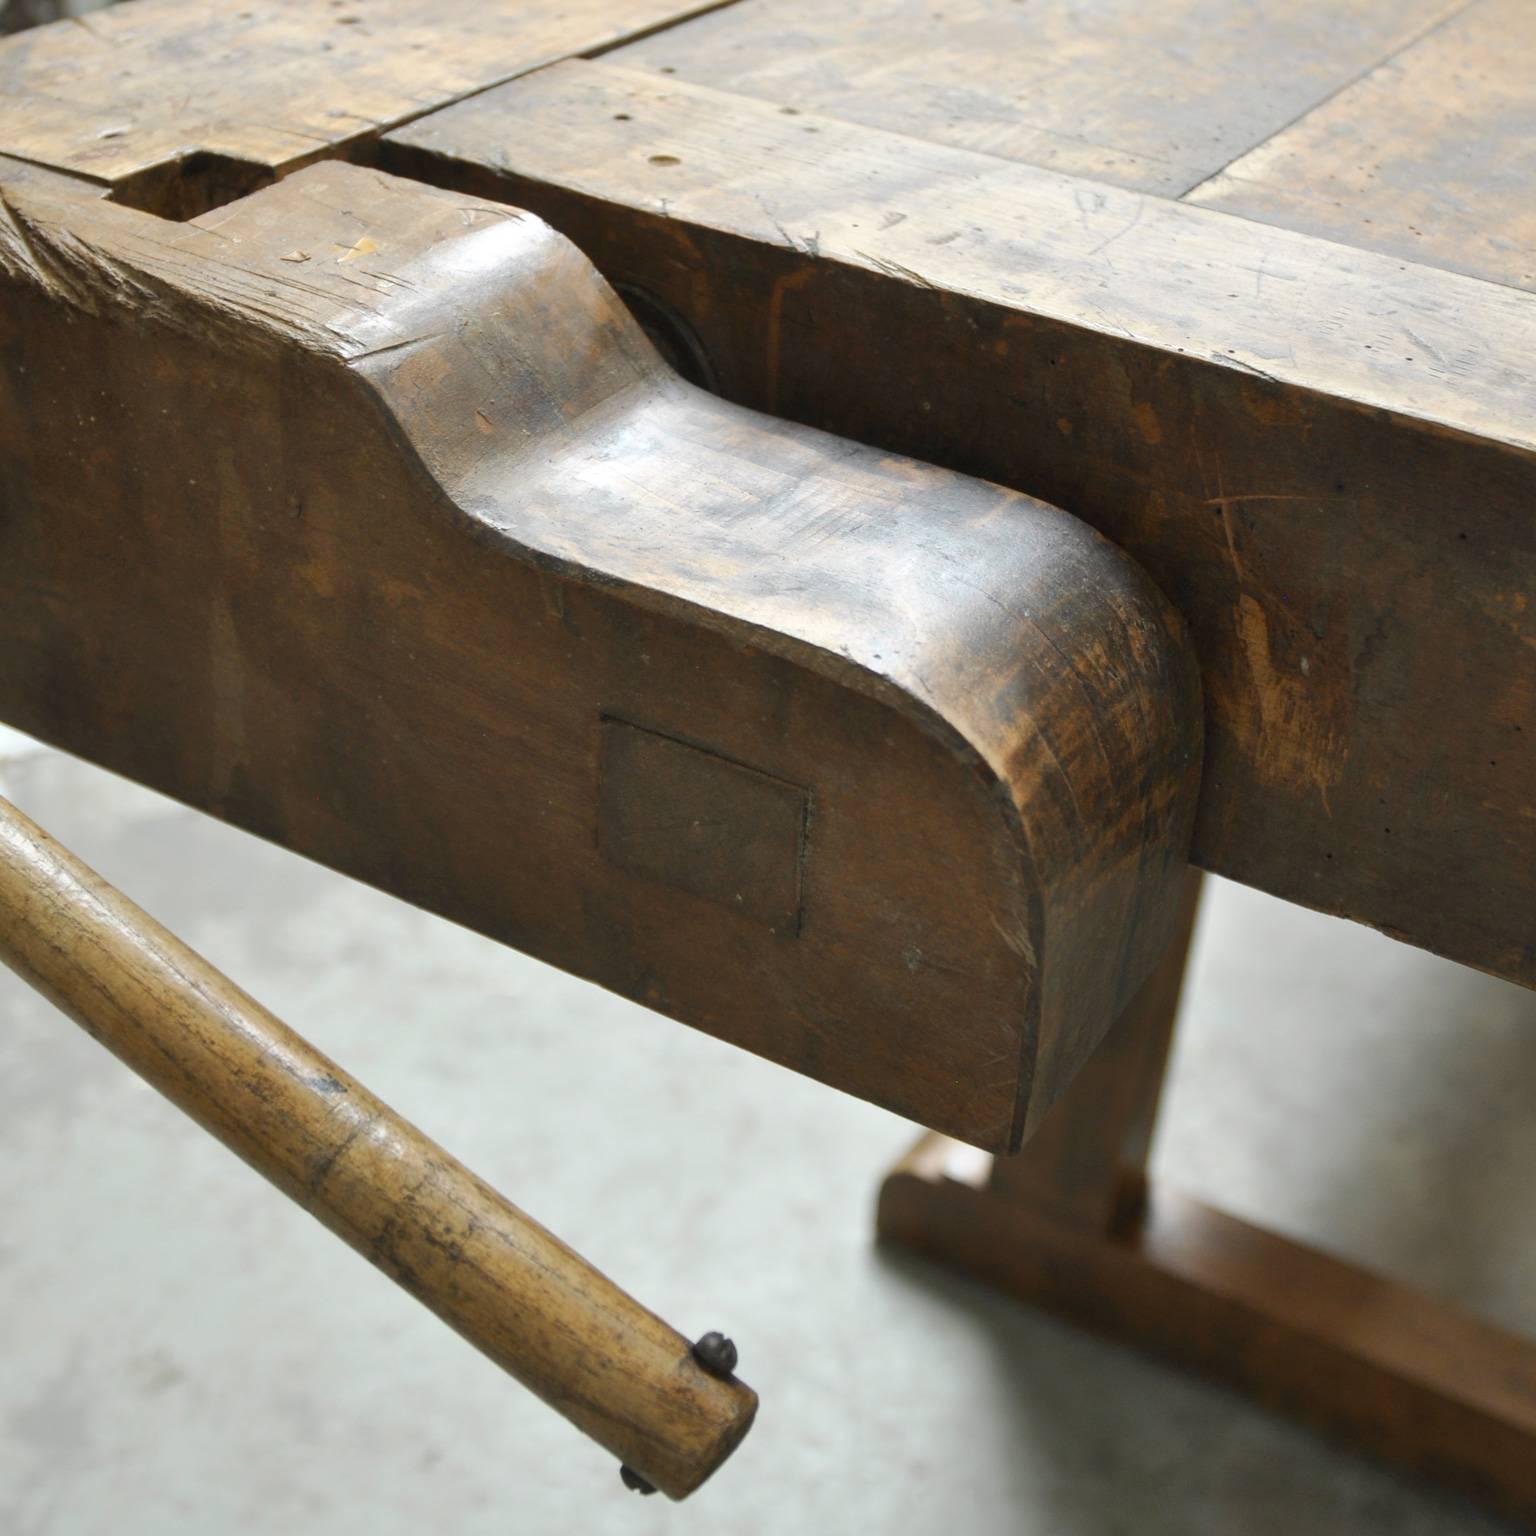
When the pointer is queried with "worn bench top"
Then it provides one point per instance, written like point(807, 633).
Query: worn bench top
point(1248, 290)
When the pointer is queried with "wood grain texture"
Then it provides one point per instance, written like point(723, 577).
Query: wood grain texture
point(1156, 97)
point(494, 1275)
point(177, 105)
point(1325, 457)
point(417, 518)
point(1391, 1371)
point(1429, 156)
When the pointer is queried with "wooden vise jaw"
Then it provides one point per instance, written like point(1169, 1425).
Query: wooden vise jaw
point(364, 516)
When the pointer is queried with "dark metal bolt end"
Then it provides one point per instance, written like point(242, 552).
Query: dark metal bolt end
point(634, 1482)
point(717, 1354)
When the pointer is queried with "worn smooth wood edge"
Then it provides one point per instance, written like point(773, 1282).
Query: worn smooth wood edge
point(1117, 354)
point(495, 1276)
point(928, 593)
point(1407, 1378)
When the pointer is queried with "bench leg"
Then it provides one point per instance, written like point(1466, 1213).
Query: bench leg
point(1074, 1225)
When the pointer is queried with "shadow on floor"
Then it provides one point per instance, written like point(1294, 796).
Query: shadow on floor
point(1116, 1434)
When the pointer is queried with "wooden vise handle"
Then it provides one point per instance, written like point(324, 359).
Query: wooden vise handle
point(669, 1412)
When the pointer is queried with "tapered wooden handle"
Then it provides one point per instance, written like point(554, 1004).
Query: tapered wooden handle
point(517, 1293)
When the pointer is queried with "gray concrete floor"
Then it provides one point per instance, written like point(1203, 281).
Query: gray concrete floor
point(184, 1353)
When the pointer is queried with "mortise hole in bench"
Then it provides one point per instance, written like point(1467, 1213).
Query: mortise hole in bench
point(193, 185)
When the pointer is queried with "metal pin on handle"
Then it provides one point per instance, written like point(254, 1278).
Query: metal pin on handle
point(717, 1354)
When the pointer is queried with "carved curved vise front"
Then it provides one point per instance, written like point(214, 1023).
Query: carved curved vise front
point(364, 516)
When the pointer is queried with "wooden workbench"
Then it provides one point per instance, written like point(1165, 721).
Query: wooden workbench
point(1250, 290)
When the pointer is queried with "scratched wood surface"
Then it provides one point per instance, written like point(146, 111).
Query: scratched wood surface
point(1154, 96)
point(177, 105)
point(1325, 456)
point(1405, 128)
point(1430, 156)
point(1401, 126)
point(441, 576)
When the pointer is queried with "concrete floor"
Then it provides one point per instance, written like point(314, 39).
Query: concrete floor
point(183, 1354)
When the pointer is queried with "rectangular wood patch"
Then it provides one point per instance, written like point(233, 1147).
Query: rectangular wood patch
point(692, 819)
